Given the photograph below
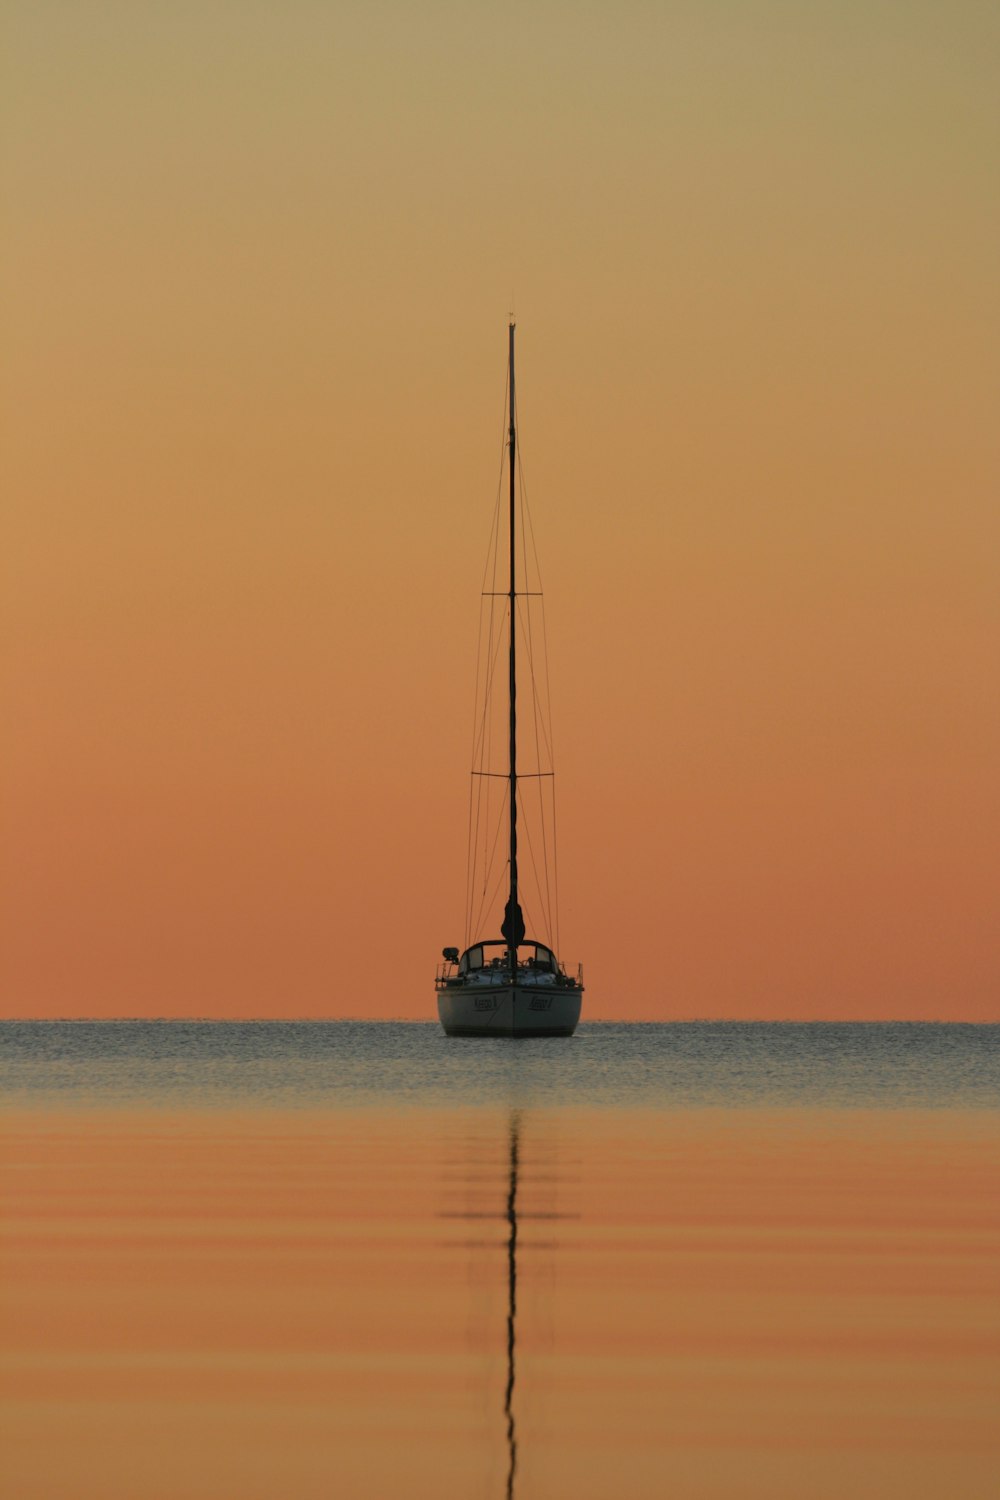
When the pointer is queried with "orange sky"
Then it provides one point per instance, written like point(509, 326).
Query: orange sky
point(256, 268)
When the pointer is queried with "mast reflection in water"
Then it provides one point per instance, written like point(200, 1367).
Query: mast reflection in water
point(520, 1173)
point(508, 1405)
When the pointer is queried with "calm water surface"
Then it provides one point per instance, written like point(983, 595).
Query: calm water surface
point(345, 1259)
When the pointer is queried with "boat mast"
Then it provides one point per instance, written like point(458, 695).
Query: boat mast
point(513, 923)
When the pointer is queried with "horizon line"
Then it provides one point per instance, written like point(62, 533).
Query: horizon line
point(202, 1020)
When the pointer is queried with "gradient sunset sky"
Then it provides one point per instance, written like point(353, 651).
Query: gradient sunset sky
point(257, 262)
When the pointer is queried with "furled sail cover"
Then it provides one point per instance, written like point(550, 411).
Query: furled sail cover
point(512, 930)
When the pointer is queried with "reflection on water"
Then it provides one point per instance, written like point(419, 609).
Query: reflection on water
point(508, 1404)
point(217, 1298)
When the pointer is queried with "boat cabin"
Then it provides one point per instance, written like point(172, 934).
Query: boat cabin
point(541, 959)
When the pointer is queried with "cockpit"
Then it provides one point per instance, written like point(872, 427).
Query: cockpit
point(540, 958)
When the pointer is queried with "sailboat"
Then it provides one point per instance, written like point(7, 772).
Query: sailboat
point(512, 985)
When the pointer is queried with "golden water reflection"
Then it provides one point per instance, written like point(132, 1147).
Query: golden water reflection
point(487, 1303)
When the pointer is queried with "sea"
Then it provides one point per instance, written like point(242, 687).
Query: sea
point(291, 1260)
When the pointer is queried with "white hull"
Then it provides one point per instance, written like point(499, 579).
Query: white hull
point(503, 1010)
